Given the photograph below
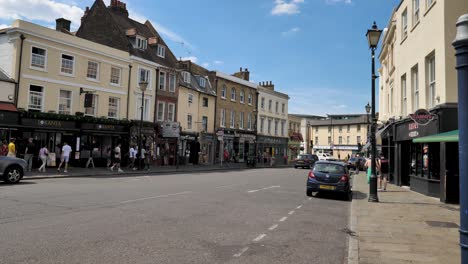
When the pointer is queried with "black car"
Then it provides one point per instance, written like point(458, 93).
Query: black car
point(330, 176)
point(352, 163)
point(305, 161)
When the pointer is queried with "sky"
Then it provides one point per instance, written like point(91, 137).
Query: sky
point(313, 50)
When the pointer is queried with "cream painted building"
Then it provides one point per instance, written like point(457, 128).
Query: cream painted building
point(296, 139)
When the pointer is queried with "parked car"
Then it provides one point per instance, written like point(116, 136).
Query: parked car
point(12, 169)
point(352, 163)
point(330, 176)
point(305, 161)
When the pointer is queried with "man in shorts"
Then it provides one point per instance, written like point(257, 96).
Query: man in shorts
point(66, 151)
point(384, 170)
point(117, 158)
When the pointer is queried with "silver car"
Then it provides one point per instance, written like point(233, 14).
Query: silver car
point(12, 169)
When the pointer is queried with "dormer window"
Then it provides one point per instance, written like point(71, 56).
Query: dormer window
point(142, 43)
point(161, 51)
point(186, 76)
point(202, 82)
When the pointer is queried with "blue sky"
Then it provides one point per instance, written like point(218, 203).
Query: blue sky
point(313, 50)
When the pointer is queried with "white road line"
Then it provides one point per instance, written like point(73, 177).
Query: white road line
point(153, 197)
point(271, 187)
point(283, 219)
point(242, 251)
point(273, 227)
point(260, 237)
point(290, 213)
point(299, 207)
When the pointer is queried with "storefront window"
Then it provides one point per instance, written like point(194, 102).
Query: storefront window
point(425, 161)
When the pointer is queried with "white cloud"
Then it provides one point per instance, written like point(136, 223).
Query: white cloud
point(218, 62)
point(290, 32)
point(332, 2)
point(284, 7)
point(4, 26)
point(190, 58)
point(206, 65)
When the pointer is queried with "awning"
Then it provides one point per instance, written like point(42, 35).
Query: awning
point(380, 132)
point(8, 107)
point(451, 136)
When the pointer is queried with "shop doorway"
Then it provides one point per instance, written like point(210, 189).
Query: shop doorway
point(452, 173)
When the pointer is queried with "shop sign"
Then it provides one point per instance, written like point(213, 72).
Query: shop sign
point(102, 127)
point(422, 117)
point(48, 123)
point(170, 129)
point(413, 134)
point(247, 137)
point(220, 133)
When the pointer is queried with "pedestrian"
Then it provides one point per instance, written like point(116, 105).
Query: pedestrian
point(349, 156)
point(91, 157)
point(368, 165)
point(43, 155)
point(12, 148)
point(109, 156)
point(144, 155)
point(29, 154)
point(3, 148)
point(117, 158)
point(226, 155)
point(132, 155)
point(65, 157)
point(384, 170)
point(357, 164)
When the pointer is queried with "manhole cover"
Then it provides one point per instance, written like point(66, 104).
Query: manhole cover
point(441, 224)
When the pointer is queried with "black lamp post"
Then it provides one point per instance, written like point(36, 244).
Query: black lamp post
point(368, 109)
point(373, 36)
point(143, 86)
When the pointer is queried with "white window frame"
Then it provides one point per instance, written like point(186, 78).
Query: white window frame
point(186, 76)
point(172, 82)
point(270, 105)
point(147, 77)
point(262, 124)
point(429, 3)
point(415, 87)
point(250, 99)
point(233, 94)
point(202, 82)
point(404, 24)
point(269, 126)
point(249, 121)
point(283, 108)
point(119, 78)
point(171, 116)
point(416, 12)
point(72, 65)
point(404, 95)
point(223, 92)
point(161, 51)
point(190, 98)
point(45, 59)
point(189, 121)
point(262, 103)
point(95, 106)
point(390, 103)
point(110, 105)
point(97, 71)
point(241, 97)
point(223, 118)
point(162, 83)
point(431, 81)
point(276, 127)
point(141, 43)
point(70, 100)
point(232, 121)
point(37, 95)
point(277, 107)
point(146, 108)
point(204, 123)
point(282, 127)
point(241, 120)
point(163, 104)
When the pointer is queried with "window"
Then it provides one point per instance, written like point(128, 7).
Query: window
point(415, 12)
point(233, 119)
point(186, 77)
point(329, 129)
point(277, 107)
point(145, 108)
point(223, 92)
point(205, 123)
point(316, 141)
point(283, 108)
point(431, 81)
point(161, 108)
point(390, 101)
point(241, 120)
point(340, 140)
point(347, 140)
point(162, 81)
point(172, 83)
point(262, 124)
point(92, 111)
point(113, 111)
point(38, 57)
point(223, 117)
point(35, 97)
point(282, 128)
point(170, 112)
point(241, 96)
point(269, 105)
point(358, 128)
point(115, 75)
point(429, 3)
point(329, 140)
point(340, 129)
point(141, 43)
point(348, 129)
point(358, 139)
point(316, 129)
point(404, 24)
point(262, 103)
point(250, 99)
point(276, 127)
point(233, 94)
point(249, 121)
point(189, 121)
point(269, 126)
point(415, 87)
point(67, 64)
point(404, 96)
point(143, 76)
point(93, 70)
point(65, 101)
point(202, 82)
point(161, 51)
point(190, 98)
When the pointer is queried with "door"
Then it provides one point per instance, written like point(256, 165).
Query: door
point(452, 173)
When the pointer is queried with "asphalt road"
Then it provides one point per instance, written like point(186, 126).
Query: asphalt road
point(245, 216)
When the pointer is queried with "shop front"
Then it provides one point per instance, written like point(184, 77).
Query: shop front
point(272, 148)
point(207, 148)
point(294, 145)
point(167, 142)
point(9, 125)
point(189, 148)
point(246, 147)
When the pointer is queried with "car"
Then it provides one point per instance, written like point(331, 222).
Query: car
point(305, 161)
point(352, 163)
point(330, 176)
point(12, 169)
point(325, 156)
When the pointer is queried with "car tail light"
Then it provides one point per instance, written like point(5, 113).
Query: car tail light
point(344, 178)
point(311, 175)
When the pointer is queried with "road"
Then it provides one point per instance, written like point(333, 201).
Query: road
point(244, 216)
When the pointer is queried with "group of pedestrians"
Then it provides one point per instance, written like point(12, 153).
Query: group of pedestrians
point(382, 170)
point(134, 156)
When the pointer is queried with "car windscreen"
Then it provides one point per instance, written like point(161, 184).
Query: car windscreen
point(329, 168)
point(303, 157)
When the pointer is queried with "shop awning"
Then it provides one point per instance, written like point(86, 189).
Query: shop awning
point(8, 107)
point(381, 132)
point(451, 136)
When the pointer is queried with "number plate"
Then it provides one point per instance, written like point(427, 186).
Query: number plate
point(327, 187)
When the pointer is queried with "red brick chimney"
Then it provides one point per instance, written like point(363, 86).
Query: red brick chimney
point(118, 7)
point(245, 75)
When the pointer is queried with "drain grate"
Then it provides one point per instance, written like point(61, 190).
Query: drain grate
point(441, 224)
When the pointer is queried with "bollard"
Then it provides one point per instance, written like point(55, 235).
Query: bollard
point(461, 47)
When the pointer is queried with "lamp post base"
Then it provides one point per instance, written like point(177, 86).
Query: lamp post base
point(373, 197)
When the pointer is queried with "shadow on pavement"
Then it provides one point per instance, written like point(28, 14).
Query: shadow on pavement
point(330, 196)
point(357, 195)
point(23, 182)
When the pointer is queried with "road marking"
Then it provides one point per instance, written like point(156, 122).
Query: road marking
point(260, 237)
point(283, 219)
point(271, 187)
point(154, 197)
point(242, 251)
point(290, 213)
point(273, 227)
point(299, 207)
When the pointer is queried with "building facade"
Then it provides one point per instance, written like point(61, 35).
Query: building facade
point(235, 115)
point(272, 124)
point(418, 78)
point(295, 137)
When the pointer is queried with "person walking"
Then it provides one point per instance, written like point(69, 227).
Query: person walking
point(65, 157)
point(384, 170)
point(29, 154)
point(109, 156)
point(132, 156)
point(12, 148)
point(3, 149)
point(117, 158)
point(357, 163)
point(43, 155)
point(144, 156)
point(91, 157)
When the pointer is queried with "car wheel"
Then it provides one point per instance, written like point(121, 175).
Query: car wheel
point(349, 196)
point(295, 167)
point(13, 174)
point(309, 193)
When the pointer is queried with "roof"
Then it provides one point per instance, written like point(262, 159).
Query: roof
point(350, 121)
point(307, 116)
point(5, 78)
point(195, 84)
point(236, 80)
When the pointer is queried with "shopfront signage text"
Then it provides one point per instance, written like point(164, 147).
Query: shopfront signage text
point(413, 134)
point(422, 117)
point(413, 126)
point(48, 123)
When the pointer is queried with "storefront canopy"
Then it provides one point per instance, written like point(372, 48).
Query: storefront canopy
point(451, 136)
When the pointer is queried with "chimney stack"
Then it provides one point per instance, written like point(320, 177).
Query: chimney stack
point(119, 7)
point(245, 75)
point(62, 24)
point(268, 85)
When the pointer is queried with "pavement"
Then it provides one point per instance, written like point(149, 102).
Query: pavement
point(404, 227)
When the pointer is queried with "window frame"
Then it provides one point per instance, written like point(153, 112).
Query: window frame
point(162, 80)
point(202, 82)
point(404, 95)
point(72, 74)
point(233, 94)
point(163, 112)
point(232, 121)
point(117, 111)
point(172, 82)
point(241, 120)
point(223, 92)
point(242, 97)
point(31, 66)
point(205, 102)
point(146, 108)
point(119, 83)
point(222, 122)
point(95, 106)
point(161, 51)
point(404, 24)
point(190, 98)
point(416, 12)
point(250, 99)
point(147, 77)
point(249, 121)
point(262, 124)
point(41, 98)
point(415, 87)
point(205, 123)
point(431, 80)
point(143, 41)
point(186, 77)
point(96, 79)
point(189, 121)
point(70, 100)
point(171, 116)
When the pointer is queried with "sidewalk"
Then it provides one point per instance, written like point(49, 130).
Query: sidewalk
point(97, 172)
point(398, 229)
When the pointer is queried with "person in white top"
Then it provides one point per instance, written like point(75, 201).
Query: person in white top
point(66, 150)
point(43, 154)
point(117, 158)
point(132, 154)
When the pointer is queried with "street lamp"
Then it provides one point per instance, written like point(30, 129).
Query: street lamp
point(373, 36)
point(143, 86)
point(368, 109)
